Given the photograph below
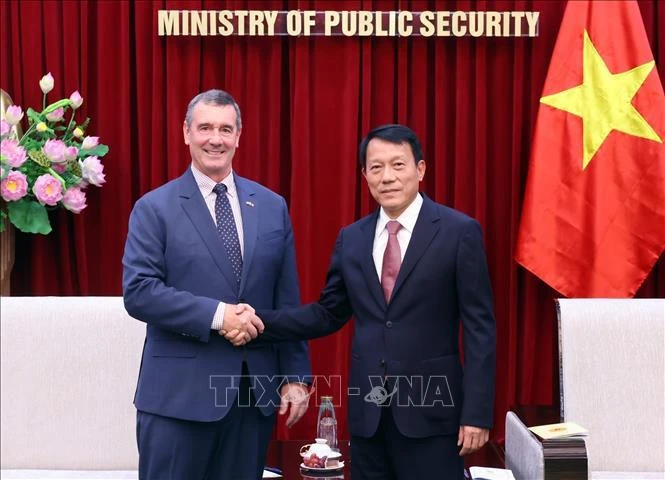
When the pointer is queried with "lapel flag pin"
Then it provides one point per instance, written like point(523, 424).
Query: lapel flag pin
point(249, 204)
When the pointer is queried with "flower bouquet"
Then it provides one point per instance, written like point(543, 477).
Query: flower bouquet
point(49, 166)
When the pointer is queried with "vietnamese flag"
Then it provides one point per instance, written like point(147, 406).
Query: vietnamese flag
point(593, 219)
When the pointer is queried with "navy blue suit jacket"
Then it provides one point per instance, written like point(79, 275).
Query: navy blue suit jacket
point(176, 271)
point(413, 339)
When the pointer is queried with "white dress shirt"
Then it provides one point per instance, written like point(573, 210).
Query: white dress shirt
point(206, 184)
point(408, 221)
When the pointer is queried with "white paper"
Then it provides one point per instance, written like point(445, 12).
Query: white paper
point(486, 473)
point(268, 474)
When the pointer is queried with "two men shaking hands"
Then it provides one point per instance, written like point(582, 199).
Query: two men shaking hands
point(241, 324)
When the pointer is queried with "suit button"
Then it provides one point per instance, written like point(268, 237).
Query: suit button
point(382, 363)
point(389, 324)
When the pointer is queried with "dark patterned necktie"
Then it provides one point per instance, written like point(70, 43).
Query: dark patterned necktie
point(392, 260)
point(226, 229)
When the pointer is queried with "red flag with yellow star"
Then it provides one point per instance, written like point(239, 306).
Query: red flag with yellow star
point(593, 219)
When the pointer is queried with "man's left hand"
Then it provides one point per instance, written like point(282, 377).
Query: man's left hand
point(296, 395)
point(471, 438)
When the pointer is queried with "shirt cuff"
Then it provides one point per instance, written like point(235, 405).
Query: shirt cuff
point(218, 319)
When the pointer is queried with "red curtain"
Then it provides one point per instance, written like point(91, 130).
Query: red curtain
point(306, 104)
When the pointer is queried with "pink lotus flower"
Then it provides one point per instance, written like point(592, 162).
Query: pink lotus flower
point(89, 142)
point(46, 83)
point(47, 189)
point(59, 167)
point(4, 128)
point(14, 114)
point(74, 199)
point(76, 99)
point(71, 153)
point(14, 153)
point(14, 186)
point(92, 169)
point(56, 115)
point(55, 150)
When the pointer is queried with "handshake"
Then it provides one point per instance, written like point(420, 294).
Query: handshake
point(241, 325)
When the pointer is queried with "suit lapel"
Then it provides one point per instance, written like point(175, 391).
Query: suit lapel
point(367, 260)
point(425, 230)
point(194, 206)
point(249, 209)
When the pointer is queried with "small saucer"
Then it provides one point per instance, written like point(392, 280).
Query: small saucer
point(339, 466)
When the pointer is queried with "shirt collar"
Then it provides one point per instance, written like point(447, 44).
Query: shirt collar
point(206, 184)
point(407, 219)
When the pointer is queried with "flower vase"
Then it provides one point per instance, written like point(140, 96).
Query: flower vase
point(6, 258)
point(7, 235)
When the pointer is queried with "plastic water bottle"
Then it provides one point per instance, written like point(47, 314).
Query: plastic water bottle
point(326, 426)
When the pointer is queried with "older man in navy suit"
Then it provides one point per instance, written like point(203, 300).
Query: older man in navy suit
point(205, 240)
point(411, 273)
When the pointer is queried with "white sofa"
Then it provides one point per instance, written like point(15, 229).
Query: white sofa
point(68, 373)
point(612, 355)
point(612, 376)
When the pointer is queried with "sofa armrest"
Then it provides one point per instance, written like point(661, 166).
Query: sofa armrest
point(524, 453)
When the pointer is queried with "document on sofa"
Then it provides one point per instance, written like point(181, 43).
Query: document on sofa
point(559, 430)
point(486, 473)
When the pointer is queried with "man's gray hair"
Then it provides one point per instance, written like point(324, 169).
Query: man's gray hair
point(213, 97)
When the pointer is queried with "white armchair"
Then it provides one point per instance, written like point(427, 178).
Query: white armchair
point(612, 377)
point(68, 373)
point(612, 354)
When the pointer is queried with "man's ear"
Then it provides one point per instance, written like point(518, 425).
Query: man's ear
point(421, 170)
point(185, 132)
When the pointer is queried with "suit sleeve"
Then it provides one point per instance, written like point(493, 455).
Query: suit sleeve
point(476, 311)
point(294, 360)
point(314, 320)
point(146, 296)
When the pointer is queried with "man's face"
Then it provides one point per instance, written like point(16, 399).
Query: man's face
point(392, 175)
point(212, 138)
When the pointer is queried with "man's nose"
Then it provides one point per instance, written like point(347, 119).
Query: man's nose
point(216, 137)
point(388, 175)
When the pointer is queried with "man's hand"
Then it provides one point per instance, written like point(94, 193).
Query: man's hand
point(297, 396)
point(471, 438)
point(241, 324)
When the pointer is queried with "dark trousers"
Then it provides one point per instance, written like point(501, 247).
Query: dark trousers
point(233, 448)
point(389, 455)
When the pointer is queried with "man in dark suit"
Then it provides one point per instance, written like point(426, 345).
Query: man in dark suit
point(198, 243)
point(410, 272)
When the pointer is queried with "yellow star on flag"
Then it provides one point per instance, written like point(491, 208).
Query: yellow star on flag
point(603, 100)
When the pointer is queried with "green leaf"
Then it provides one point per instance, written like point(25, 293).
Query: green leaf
point(39, 158)
point(70, 179)
point(100, 150)
point(3, 215)
point(32, 171)
point(29, 216)
point(75, 168)
point(34, 117)
point(30, 143)
point(65, 102)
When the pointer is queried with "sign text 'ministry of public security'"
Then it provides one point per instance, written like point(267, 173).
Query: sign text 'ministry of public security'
point(347, 23)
